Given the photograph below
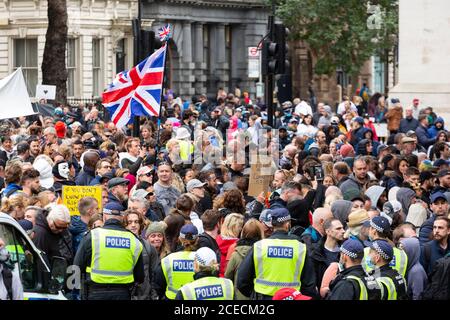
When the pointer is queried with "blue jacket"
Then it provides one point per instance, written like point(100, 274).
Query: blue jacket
point(426, 229)
point(433, 131)
point(85, 177)
point(77, 229)
point(407, 124)
point(424, 138)
point(96, 181)
point(430, 253)
point(11, 189)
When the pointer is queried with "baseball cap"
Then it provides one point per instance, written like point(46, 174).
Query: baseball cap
point(116, 182)
point(189, 232)
point(293, 120)
point(205, 257)
point(437, 195)
point(140, 193)
point(289, 294)
point(443, 173)
point(360, 120)
point(194, 183)
point(440, 162)
point(227, 186)
point(266, 217)
point(143, 171)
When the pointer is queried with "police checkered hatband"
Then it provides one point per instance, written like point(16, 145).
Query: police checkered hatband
point(112, 212)
point(378, 228)
point(349, 253)
point(283, 219)
point(380, 251)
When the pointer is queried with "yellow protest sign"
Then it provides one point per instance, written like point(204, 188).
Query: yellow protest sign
point(71, 195)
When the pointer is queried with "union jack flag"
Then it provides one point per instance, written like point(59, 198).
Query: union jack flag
point(165, 33)
point(136, 92)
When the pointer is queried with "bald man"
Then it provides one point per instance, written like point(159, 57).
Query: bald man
point(315, 232)
point(87, 174)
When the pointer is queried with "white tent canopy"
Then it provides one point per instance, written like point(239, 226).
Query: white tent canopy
point(14, 99)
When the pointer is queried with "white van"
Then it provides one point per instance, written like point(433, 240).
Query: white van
point(39, 281)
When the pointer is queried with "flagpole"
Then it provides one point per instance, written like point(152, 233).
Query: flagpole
point(158, 124)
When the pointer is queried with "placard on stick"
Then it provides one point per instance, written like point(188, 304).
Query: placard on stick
point(260, 178)
point(71, 196)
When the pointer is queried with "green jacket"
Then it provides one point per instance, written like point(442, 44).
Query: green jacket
point(241, 250)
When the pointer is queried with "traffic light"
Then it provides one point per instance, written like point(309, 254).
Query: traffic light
point(280, 35)
point(274, 52)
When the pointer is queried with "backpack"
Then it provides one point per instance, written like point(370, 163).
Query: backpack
point(439, 286)
point(7, 282)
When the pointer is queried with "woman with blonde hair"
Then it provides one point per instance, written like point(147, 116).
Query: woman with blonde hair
point(15, 206)
point(168, 280)
point(229, 234)
point(251, 233)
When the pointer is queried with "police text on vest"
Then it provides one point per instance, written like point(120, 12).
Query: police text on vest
point(183, 265)
point(209, 292)
point(280, 252)
point(117, 242)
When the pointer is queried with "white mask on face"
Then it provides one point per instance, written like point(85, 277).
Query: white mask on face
point(63, 169)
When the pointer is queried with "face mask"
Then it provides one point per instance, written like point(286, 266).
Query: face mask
point(369, 262)
point(63, 169)
point(4, 255)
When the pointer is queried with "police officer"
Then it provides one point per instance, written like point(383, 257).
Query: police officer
point(277, 262)
point(352, 282)
point(392, 283)
point(379, 230)
point(207, 285)
point(177, 268)
point(110, 258)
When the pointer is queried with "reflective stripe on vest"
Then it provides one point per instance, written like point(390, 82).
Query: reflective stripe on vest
point(178, 269)
point(363, 295)
point(389, 284)
point(114, 255)
point(399, 262)
point(208, 288)
point(272, 255)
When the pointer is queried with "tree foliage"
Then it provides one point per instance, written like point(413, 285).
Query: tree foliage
point(341, 33)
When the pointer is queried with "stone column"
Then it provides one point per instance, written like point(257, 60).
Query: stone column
point(187, 42)
point(199, 59)
point(220, 66)
point(187, 78)
point(239, 58)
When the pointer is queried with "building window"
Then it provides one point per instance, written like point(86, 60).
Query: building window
point(97, 84)
point(71, 64)
point(26, 56)
point(120, 55)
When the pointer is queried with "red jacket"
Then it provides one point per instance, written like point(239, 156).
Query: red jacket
point(224, 245)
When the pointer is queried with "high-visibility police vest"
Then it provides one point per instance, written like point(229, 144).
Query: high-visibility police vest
point(363, 295)
point(16, 252)
point(389, 285)
point(399, 262)
point(114, 255)
point(278, 264)
point(178, 269)
point(208, 288)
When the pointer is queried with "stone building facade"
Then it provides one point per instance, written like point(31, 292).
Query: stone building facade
point(210, 42)
point(100, 41)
